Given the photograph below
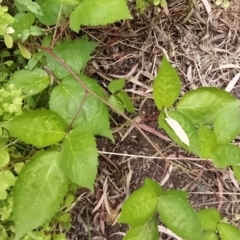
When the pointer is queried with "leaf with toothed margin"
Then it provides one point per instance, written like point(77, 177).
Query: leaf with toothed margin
point(38, 192)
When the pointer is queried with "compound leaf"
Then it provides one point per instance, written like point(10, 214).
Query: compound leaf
point(30, 82)
point(79, 157)
point(226, 125)
point(40, 128)
point(66, 98)
point(145, 231)
point(209, 219)
point(204, 104)
point(226, 155)
point(207, 141)
point(178, 215)
point(38, 192)
point(98, 12)
point(75, 54)
point(141, 204)
point(166, 86)
point(186, 125)
point(228, 231)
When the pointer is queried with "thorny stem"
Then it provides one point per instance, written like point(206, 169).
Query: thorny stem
point(50, 52)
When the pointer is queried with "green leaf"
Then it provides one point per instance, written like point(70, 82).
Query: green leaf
point(207, 141)
point(126, 101)
point(204, 104)
point(186, 125)
point(141, 205)
point(209, 218)
point(35, 8)
point(226, 155)
point(66, 98)
point(210, 236)
point(40, 128)
point(79, 157)
point(4, 157)
point(226, 126)
point(228, 231)
point(98, 12)
point(51, 10)
point(116, 85)
point(38, 192)
point(114, 101)
point(178, 215)
point(23, 21)
point(24, 52)
point(7, 179)
point(30, 82)
point(145, 231)
point(166, 86)
point(236, 170)
point(75, 54)
point(8, 40)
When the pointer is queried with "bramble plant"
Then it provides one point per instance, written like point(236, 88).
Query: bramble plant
point(50, 113)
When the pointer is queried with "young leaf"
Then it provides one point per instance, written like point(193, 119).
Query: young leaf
point(209, 219)
point(24, 52)
point(207, 141)
point(116, 103)
point(66, 98)
point(51, 10)
point(7, 179)
point(178, 130)
point(204, 104)
point(23, 21)
point(79, 157)
point(228, 231)
point(166, 86)
point(4, 157)
point(116, 85)
point(226, 155)
point(8, 40)
point(236, 170)
point(210, 236)
point(226, 125)
point(98, 12)
point(40, 128)
point(145, 231)
point(75, 54)
point(30, 82)
point(178, 215)
point(38, 193)
point(187, 126)
point(126, 101)
point(141, 204)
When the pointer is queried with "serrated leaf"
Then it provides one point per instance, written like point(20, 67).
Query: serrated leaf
point(236, 170)
point(24, 52)
point(209, 219)
point(226, 125)
point(141, 204)
point(178, 130)
point(207, 141)
point(187, 126)
point(204, 104)
point(30, 82)
point(166, 86)
point(228, 231)
point(40, 128)
point(114, 101)
point(75, 54)
point(226, 155)
point(23, 21)
point(79, 157)
point(116, 85)
point(210, 236)
point(38, 192)
point(98, 12)
point(66, 98)
point(146, 231)
point(126, 101)
point(4, 157)
point(178, 215)
point(51, 10)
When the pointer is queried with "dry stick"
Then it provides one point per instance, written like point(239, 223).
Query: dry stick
point(50, 52)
